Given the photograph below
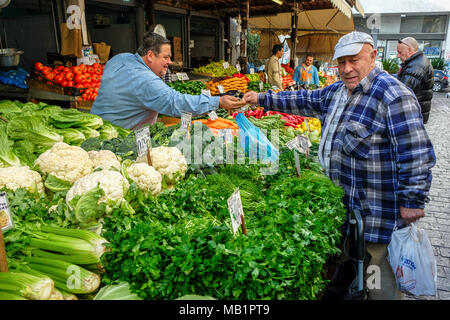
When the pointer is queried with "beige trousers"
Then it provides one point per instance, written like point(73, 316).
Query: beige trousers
point(387, 285)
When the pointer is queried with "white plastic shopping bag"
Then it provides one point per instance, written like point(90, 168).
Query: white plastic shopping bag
point(411, 257)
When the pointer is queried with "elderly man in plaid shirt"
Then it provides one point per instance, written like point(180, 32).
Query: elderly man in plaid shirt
point(374, 145)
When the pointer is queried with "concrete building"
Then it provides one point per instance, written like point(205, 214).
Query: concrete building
point(428, 21)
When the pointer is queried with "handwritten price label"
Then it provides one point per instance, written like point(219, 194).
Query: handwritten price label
point(6, 221)
point(236, 210)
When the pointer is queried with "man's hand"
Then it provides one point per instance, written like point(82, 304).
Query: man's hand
point(411, 215)
point(229, 102)
point(251, 97)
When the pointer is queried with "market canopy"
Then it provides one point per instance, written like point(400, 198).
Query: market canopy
point(266, 7)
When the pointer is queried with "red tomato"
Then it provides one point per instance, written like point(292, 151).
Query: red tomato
point(69, 76)
point(76, 70)
point(83, 68)
point(96, 65)
point(50, 76)
point(79, 85)
point(46, 70)
point(66, 69)
point(95, 78)
point(39, 66)
point(94, 96)
point(103, 67)
point(59, 78)
point(79, 78)
point(84, 96)
point(64, 83)
point(87, 77)
point(96, 90)
point(90, 69)
point(88, 91)
point(70, 83)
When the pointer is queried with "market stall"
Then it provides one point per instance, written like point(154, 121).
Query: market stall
point(88, 200)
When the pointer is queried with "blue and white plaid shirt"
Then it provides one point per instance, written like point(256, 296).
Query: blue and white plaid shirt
point(381, 153)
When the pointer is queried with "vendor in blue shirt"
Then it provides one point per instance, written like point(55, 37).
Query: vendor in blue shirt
point(132, 92)
point(306, 73)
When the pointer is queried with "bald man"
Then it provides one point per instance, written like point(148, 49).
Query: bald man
point(416, 73)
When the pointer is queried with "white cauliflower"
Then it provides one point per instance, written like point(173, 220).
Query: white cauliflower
point(112, 183)
point(146, 177)
point(21, 177)
point(68, 163)
point(170, 163)
point(104, 159)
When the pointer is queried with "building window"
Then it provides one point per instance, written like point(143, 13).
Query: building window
point(421, 24)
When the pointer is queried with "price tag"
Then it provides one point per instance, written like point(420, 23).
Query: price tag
point(213, 115)
point(221, 89)
point(182, 76)
point(206, 92)
point(186, 118)
point(6, 221)
point(174, 77)
point(261, 86)
point(238, 67)
point(236, 211)
point(143, 144)
point(226, 134)
point(299, 143)
point(226, 65)
point(252, 70)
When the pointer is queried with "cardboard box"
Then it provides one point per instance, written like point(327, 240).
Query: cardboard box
point(177, 49)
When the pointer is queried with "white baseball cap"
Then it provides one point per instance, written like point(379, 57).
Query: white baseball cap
point(351, 44)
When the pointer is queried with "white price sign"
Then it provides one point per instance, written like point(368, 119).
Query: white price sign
point(252, 70)
point(261, 86)
point(221, 89)
point(226, 65)
point(143, 141)
point(299, 143)
point(213, 115)
point(206, 92)
point(226, 134)
point(238, 67)
point(186, 118)
point(236, 211)
point(182, 76)
point(6, 221)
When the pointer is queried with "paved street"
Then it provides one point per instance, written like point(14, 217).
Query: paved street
point(437, 213)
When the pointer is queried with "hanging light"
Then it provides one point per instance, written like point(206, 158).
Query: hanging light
point(278, 2)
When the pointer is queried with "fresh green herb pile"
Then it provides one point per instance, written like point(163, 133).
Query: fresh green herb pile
point(190, 87)
point(181, 243)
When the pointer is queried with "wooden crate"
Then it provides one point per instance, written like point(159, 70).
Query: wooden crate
point(36, 84)
point(82, 105)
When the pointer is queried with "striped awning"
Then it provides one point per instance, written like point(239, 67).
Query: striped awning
point(346, 9)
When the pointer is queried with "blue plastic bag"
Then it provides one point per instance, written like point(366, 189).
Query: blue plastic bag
point(254, 141)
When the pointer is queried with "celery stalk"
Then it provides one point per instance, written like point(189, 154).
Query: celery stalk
point(4, 295)
point(68, 296)
point(26, 285)
point(56, 295)
point(67, 276)
point(85, 258)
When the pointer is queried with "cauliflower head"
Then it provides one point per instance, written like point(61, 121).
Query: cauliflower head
point(170, 163)
point(68, 163)
point(112, 183)
point(146, 177)
point(21, 177)
point(104, 159)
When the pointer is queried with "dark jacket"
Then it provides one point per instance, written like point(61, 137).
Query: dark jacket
point(417, 73)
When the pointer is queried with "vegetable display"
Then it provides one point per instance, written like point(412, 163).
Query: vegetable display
point(131, 230)
point(189, 87)
point(216, 69)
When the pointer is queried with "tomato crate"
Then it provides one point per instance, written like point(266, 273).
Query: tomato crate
point(82, 105)
point(70, 91)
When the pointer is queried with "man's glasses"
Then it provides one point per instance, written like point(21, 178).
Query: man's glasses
point(400, 41)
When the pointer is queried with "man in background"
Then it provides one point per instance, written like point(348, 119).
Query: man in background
point(416, 73)
point(307, 73)
point(273, 67)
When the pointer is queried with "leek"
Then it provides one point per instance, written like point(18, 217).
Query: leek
point(26, 285)
point(67, 276)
